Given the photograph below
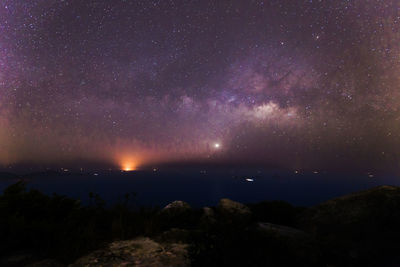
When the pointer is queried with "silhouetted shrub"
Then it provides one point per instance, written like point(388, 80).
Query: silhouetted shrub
point(60, 227)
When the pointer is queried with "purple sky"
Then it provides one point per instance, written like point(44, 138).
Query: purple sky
point(299, 84)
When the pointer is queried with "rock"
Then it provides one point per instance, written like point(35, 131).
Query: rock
point(208, 212)
point(177, 214)
point(281, 230)
point(208, 219)
point(208, 215)
point(175, 235)
point(362, 226)
point(376, 206)
point(177, 206)
point(233, 208)
point(137, 252)
point(286, 243)
point(233, 213)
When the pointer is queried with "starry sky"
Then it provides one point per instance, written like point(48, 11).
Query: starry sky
point(132, 83)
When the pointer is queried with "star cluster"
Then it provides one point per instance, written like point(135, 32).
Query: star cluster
point(299, 84)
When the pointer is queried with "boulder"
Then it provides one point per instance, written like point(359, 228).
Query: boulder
point(208, 215)
point(376, 207)
point(177, 206)
point(208, 212)
point(285, 244)
point(137, 252)
point(208, 218)
point(233, 208)
point(360, 227)
point(177, 214)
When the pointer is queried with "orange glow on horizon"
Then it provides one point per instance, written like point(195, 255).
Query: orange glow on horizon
point(128, 164)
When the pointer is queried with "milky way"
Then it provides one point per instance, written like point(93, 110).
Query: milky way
point(298, 84)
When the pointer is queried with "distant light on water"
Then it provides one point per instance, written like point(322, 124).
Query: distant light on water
point(127, 162)
point(128, 165)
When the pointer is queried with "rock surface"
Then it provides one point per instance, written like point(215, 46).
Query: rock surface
point(281, 230)
point(137, 252)
point(360, 227)
point(233, 208)
point(370, 207)
point(208, 212)
point(208, 216)
point(175, 235)
point(177, 205)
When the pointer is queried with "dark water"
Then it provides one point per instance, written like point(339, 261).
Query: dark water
point(206, 187)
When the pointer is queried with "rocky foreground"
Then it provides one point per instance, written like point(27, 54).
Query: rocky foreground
point(360, 229)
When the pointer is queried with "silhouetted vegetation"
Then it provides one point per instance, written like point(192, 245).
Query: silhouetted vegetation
point(62, 228)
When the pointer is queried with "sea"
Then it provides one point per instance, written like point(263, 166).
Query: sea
point(202, 186)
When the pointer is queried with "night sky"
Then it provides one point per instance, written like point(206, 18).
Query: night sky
point(295, 84)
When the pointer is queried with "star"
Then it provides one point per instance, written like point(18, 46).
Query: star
point(136, 83)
